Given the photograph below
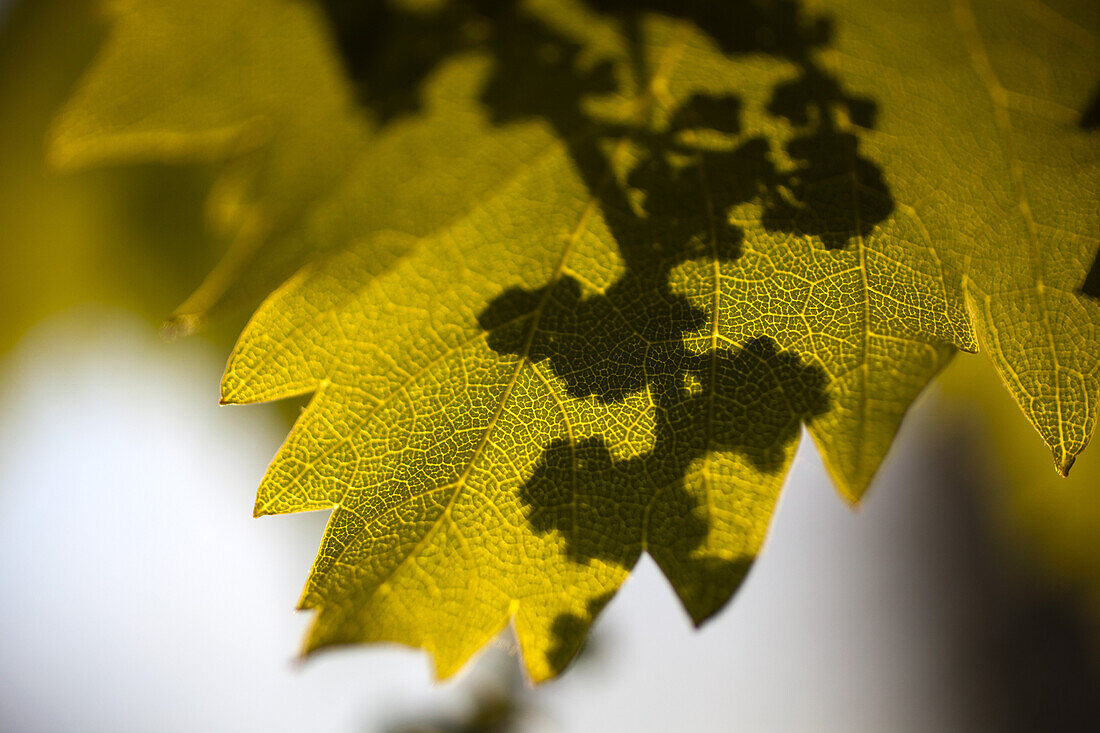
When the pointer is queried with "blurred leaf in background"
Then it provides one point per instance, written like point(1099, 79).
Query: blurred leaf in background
point(1026, 568)
point(1049, 525)
point(132, 237)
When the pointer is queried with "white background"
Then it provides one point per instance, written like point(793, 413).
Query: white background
point(139, 595)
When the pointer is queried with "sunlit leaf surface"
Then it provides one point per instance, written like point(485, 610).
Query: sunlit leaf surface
point(569, 277)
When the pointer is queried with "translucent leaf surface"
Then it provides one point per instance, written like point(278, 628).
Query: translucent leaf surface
point(579, 272)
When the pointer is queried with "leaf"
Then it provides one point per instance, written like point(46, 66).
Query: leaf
point(1021, 73)
point(589, 267)
point(263, 87)
point(82, 238)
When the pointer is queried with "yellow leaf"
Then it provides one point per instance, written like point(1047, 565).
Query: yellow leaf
point(578, 272)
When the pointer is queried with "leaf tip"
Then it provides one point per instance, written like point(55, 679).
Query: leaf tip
point(697, 619)
point(852, 494)
point(852, 487)
point(1064, 464)
point(228, 394)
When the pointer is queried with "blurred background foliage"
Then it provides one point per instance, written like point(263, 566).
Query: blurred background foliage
point(1048, 526)
point(130, 237)
point(1026, 543)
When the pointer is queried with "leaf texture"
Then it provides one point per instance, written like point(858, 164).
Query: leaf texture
point(579, 272)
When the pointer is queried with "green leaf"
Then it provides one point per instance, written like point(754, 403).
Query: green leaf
point(579, 272)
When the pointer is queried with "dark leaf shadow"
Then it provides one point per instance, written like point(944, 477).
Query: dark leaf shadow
point(1090, 118)
point(569, 632)
point(389, 50)
point(672, 207)
point(834, 193)
point(1091, 285)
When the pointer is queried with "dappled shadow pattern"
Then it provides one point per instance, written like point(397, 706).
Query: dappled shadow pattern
point(670, 209)
point(568, 632)
point(1090, 120)
point(389, 49)
point(835, 193)
point(689, 169)
point(774, 27)
point(752, 403)
point(832, 192)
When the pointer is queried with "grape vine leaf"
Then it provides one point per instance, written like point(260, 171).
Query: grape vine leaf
point(576, 273)
point(82, 238)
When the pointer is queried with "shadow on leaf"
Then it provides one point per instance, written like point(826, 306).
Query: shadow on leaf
point(1090, 120)
point(671, 206)
point(833, 193)
point(670, 209)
